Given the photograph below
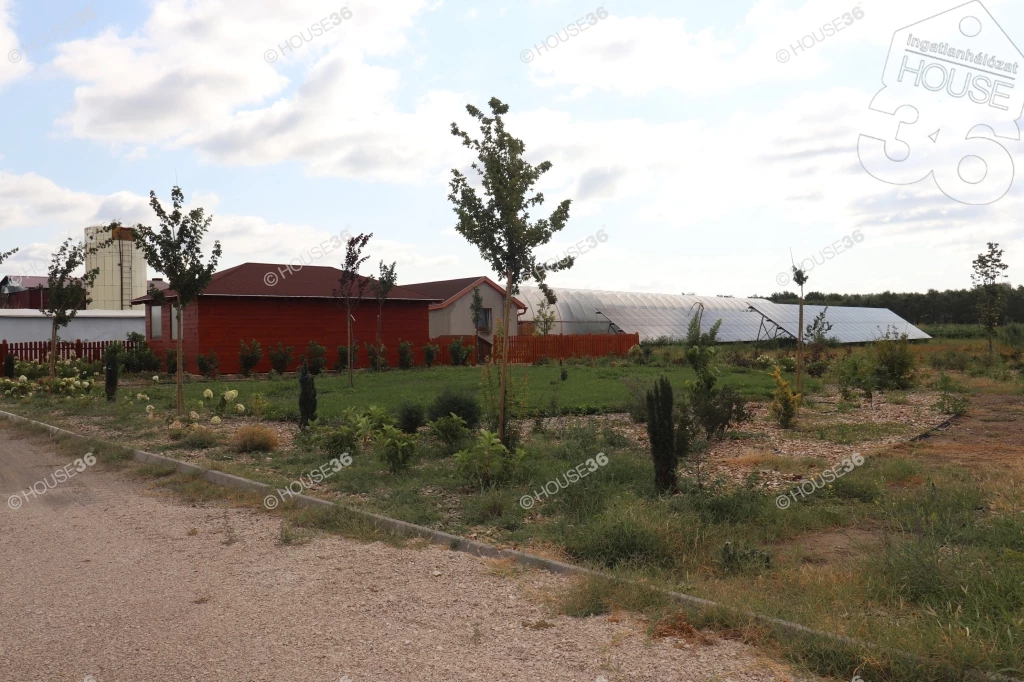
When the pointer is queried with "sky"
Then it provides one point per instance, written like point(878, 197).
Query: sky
point(705, 146)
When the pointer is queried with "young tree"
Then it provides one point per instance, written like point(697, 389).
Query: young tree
point(351, 286)
point(68, 291)
point(988, 271)
point(381, 287)
point(800, 277)
point(175, 249)
point(499, 226)
point(543, 319)
point(476, 308)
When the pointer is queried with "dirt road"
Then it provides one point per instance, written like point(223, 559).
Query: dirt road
point(103, 578)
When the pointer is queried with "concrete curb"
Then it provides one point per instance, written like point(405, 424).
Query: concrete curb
point(482, 550)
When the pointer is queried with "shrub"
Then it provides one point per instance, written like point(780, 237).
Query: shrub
point(314, 359)
point(626, 534)
point(255, 439)
point(429, 354)
point(636, 404)
point(171, 361)
point(785, 403)
point(342, 364)
point(404, 354)
point(894, 363)
point(411, 416)
point(141, 357)
point(635, 354)
point(378, 359)
point(111, 363)
point(458, 354)
point(339, 441)
point(307, 397)
point(394, 448)
point(951, 358)
point(208, 364)
point(661, 432)
point(450, 431)
point(452, 401)
point(9, 366)
point(488, 462)
point(200, 437)
point(281, 357)
point(249, 356)
point(851, 373)
point(951, 401)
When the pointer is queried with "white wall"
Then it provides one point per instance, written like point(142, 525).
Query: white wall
point(456, 320)
point(89, 325)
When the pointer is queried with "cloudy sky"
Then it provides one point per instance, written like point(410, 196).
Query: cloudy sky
point(704, 139)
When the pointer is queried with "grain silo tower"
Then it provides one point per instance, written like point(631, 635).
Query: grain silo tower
point(122, 268)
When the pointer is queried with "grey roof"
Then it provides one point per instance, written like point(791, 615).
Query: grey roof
point(737, 325)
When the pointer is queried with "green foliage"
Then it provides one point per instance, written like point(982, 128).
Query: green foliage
point(460, 403)
point(378, 361)
point(951, 399)
point(987, 279)
point(450, 431)
point(315, 358)
point(854, 372)
point(785, 403)
point(208, 364)
point(68, 290)
point(307, 396)
point(742, 559)
point(476, 308)
point(342, 363)
point(543, 318)
point(636, 405)
point(430, 354)
point(350, 288)
point(141, 357)
point(394, 448)
point(405, 360)
point(488, 462)
point(1012, 335)
point(411, 416)
point(171, 361)
point(281, 357)
point(951, 358)
point(661, 432)
point(200, 437)
point(894, 362)
point(249, 356)
point(458, 354)
point(111, 364)
point(381, 287)
point(627, 535)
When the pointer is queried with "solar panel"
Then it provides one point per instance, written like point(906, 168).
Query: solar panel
point(849, 324)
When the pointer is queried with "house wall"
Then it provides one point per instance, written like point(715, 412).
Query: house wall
point(295, 322)
point(190, 341)
point(455, 319)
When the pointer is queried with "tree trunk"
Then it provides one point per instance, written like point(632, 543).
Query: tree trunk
point(503, 382)
point(53, 351)
point(179, 400)
point(348, 326)
point(800, 347)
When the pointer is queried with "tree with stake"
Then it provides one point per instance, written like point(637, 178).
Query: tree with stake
point(500, 226)
point(351, 286)
point(543, 319)
point(381, 287)
point(176, 251)
point(988, 271)
point(800, 277)
point(68, 292)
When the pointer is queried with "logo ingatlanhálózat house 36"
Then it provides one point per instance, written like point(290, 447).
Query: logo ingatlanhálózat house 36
point(952, 92)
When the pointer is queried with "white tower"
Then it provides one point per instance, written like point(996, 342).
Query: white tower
point(122, 268)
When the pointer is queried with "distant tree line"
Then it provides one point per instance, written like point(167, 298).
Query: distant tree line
point(953, 306)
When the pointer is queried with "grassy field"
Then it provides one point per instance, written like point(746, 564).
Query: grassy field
point(920, 549)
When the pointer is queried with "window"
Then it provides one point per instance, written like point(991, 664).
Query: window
point(485, 319)
point(174, 323)
point(155, 321)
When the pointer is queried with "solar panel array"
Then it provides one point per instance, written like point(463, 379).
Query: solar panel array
point(849, 324)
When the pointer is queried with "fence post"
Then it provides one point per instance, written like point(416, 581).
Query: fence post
point(78, 348)
point(3, 349)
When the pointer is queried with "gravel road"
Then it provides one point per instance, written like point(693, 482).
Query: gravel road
point(105, 579)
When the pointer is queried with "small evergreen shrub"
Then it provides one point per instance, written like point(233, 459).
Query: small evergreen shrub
point(281, 357)
point(894, 362)
point(111, 365)
point(785, 403)
point(254, 439)
point(307, 397)
point(315, 358)
point(405, 360)
point(342, 364)
point(458, 354)
point(450, 431)
point(430, 354)
point(171, 361)
point(249, 356)
point(378, 357)
point(9, 366)
point(661, 432)
point(411, 416)
point(339, 441)
point(141, 357)
point(452, 401)
point(208, 364)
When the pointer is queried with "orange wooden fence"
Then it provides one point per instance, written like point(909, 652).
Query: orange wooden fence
point(527, 349)
point(39, 350)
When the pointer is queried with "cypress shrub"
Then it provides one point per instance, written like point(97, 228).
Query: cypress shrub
point(661, 432)
point(404, 354)
point(281, 357)
point(307, 396)
point(249, 356)
point(111, 363)
point(9, 366)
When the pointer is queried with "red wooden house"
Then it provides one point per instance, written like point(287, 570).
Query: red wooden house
point(271, 303)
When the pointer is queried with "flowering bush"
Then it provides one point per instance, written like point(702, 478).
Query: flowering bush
point(141, 397)
point(240, 408)
point(69, 386)
point(22, 388)
point(215, 420)
point(208, 394)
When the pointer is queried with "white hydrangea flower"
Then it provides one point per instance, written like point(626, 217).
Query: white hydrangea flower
point(215, 420)
point(156, 379)
point(22, 379)
point(207, 394)
point(150, 408)
point(240, 408)
point(193, 415)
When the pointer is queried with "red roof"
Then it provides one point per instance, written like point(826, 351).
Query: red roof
point(451, 290)
point(279, 281)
